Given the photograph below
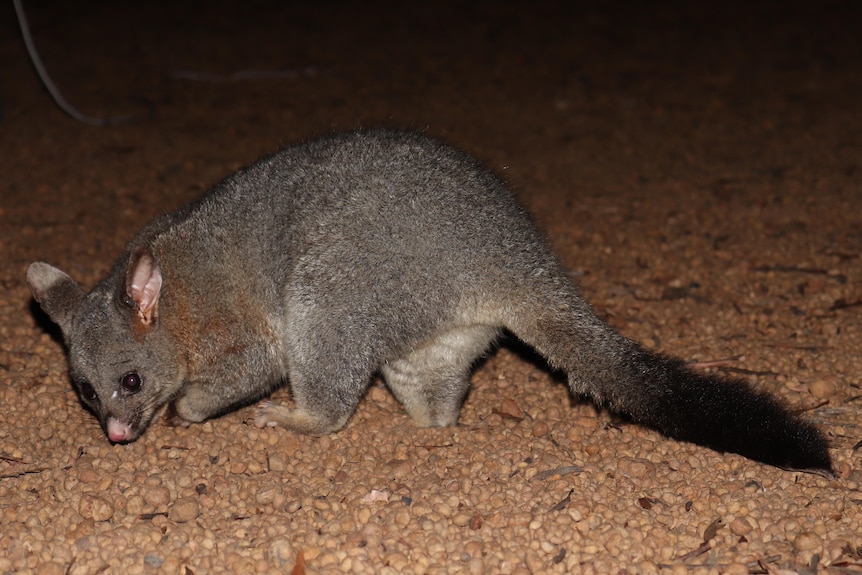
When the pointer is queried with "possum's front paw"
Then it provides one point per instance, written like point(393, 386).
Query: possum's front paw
point(171, 417)
point(267, 414)
point(177, 421)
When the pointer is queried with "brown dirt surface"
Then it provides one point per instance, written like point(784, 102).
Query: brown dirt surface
point(696, 165)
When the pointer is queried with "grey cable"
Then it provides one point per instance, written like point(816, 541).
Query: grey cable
point(49, 84)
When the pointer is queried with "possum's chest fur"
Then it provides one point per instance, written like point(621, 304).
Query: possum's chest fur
point(224, 335)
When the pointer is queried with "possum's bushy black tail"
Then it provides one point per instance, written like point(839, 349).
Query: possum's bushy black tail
point(664, 393)
point(721, 413)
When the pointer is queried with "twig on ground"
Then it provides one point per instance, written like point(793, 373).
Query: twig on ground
point(704, 547)
point(565, 501)
point(542, 475)
point(714, 362)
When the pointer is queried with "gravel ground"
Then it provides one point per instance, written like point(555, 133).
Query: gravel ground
point(697, 168)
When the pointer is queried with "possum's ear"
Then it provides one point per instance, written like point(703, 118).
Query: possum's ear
point(57, 293)
point(144, 284)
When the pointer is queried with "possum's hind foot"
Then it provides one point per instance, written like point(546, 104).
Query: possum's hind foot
point(268, 414)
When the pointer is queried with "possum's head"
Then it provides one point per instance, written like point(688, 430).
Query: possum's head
point(121, 361)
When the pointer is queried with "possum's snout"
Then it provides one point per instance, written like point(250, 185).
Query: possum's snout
point(119, 432)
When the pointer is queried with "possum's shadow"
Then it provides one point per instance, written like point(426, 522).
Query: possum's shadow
point(529, 355)
point(558, 377)
point(53, 330)
point(45, 324)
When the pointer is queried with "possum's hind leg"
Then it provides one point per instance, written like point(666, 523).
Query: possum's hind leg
point(301, 420)
point(324, 399)
point(432, 380)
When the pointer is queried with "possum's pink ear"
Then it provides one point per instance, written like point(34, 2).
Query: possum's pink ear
point(144, 284)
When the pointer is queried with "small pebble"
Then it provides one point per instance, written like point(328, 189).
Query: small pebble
point(154, 561)
point(48, 568)
point(157, 496)
point(740, 526)
point(184, 509)
point(822, 389)
point(88, 475)
point(736, 569)
point(401, 468)
point(280, 553)
point(96, 508)
point(635, 467)
point(807, 541)
point(402, 517)
point(277, 462)
point(510, 408)
point(540, 429)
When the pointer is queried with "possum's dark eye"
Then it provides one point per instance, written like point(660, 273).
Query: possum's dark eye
point(87, 391)
point(131, 382)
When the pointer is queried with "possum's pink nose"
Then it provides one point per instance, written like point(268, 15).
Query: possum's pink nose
point(118, 431)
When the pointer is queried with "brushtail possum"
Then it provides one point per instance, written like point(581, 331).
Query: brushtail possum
point(361, 253)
